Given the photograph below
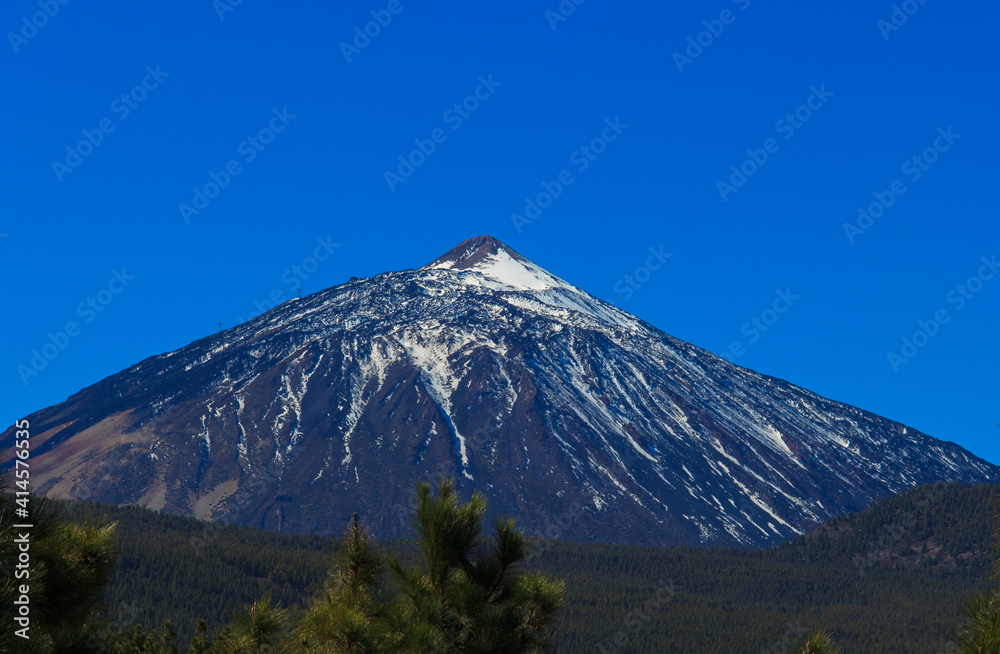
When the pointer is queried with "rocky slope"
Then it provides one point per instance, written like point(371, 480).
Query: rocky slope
point(578, 418)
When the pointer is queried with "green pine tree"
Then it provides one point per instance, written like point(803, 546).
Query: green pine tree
point(200, 643)
point(981, 632)
point(819, 643)
point(168, 640)
point(70, 564)
point(344, 618)
point(258, 628)
point(469, 595)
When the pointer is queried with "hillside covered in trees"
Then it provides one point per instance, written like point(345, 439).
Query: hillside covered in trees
point(891, 578)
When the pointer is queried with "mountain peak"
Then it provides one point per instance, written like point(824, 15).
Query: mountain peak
point(499, 265)
point(470, 252)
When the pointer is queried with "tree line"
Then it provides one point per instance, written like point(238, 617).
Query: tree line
point(100, 573)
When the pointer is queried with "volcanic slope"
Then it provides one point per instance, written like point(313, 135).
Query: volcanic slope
point(576, 417)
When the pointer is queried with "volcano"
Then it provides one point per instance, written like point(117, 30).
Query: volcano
point(579, 419)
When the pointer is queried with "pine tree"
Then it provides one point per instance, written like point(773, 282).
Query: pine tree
point(168, 641)
point(343, 619)
point(469, 596)
point(200, 643)
point(981, 632)
point(258, 628)
point(818, 643)
point(69, 567)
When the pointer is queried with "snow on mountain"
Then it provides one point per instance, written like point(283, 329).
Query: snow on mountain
point(579, 418)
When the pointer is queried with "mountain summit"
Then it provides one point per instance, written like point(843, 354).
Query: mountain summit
point(472, 251)
point(578, 418)
point(502, 267)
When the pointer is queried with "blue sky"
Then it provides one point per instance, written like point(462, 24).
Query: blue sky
point(303, 136)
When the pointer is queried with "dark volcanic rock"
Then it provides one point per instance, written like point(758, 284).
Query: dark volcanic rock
point(581, 420)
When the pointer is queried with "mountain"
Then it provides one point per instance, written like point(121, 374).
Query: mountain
point(578, 418)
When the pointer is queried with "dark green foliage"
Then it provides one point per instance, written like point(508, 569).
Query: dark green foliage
point(849, 578)
point(179, 569)
point(135, 640)
point(70, 563)
point(818, 643)
point(260, 627)
point(980, 631)
point(343, 619)
point(200, 643)
point(891, 605)
point(467, 595)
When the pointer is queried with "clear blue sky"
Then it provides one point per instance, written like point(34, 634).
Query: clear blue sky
point(550, 86)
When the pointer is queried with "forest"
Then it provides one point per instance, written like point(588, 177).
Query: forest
point(912, 573)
